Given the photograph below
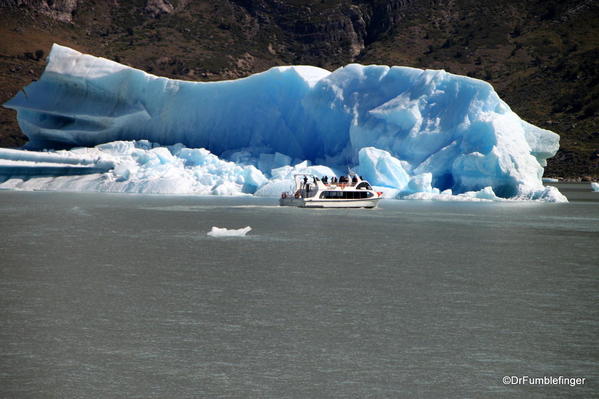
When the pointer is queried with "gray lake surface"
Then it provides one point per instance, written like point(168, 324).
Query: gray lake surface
point(125, 296)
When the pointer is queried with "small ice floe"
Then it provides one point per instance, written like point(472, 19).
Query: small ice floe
point(550, 180)
point(595, 187)
point(224, 232)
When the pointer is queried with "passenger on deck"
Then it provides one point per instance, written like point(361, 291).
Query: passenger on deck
point(325, 179)
point(354, 179)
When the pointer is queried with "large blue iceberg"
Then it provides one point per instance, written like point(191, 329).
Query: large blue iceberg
point(418, 133)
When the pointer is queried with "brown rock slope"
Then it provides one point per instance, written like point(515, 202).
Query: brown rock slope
point(541, 56)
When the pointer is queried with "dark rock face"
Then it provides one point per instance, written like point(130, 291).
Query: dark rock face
point(341, 30)
point(60, 10)
point(315, 30)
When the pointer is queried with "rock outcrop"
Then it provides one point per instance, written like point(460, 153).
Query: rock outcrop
point(342, 30)
point(158, 7)
point(60, 10)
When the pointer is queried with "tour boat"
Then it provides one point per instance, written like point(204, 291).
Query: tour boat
point(312, 192)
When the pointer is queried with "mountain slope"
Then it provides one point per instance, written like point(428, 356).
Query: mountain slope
point(541, 56)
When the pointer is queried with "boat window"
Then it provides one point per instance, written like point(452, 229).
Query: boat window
point(331, 194)
point(364, 186)
point(346, 194)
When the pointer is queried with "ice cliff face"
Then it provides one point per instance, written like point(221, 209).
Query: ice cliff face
point(398, 126)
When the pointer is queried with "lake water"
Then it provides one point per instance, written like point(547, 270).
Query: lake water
point(126, 296)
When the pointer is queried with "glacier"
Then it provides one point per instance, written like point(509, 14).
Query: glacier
point(97, 125)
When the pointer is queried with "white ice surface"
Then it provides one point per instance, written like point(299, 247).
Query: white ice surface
point(143, 167)
point(224, 232)
point(137, 167)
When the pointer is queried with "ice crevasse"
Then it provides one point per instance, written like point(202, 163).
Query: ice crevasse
point(94, 124)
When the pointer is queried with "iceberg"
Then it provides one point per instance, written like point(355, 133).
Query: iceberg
point(407, 130)
point(595, 186)
point(224, 232)
point(129, 167)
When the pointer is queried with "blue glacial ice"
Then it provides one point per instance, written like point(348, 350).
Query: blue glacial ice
point(414, 133)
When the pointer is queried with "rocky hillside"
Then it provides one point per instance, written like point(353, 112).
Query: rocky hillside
point(541, 56)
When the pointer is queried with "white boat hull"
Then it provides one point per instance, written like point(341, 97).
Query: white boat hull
point(329, 203)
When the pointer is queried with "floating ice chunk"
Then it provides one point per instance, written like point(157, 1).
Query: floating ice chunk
point(421, 183)
point(544, 194)
point(380, 168)
point(252, 179)
point(549, 194)
point(410, 121)
point(134, 167)
point(226, 187)
point(595, 187)
point(484, 195)
point(550, 180)
point(224, 232)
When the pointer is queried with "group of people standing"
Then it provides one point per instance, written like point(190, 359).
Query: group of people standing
point(333, 180)
point(341, 180)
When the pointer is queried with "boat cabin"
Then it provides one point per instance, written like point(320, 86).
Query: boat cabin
point(343, 192)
